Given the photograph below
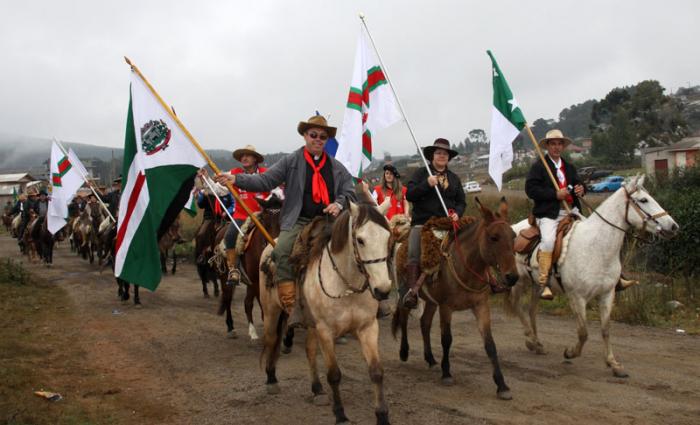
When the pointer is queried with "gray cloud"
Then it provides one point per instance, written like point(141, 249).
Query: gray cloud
point(247, 72)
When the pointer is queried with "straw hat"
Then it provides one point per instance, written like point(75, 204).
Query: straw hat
point(439, 143)
point(248, 150)
point(317, 121)
point(554, 134)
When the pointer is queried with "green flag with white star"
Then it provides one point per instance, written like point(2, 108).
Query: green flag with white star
point(507, 121)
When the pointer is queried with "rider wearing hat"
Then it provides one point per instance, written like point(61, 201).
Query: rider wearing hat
point(549, 209)
point(392, 188)
point(426, 204)
point(315, 184)
point(250, 161)
point(114, 196)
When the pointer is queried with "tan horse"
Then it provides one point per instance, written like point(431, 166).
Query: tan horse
point(346, 274)
point(463, 282)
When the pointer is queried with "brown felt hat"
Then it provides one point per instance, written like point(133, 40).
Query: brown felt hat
point(317, 121)
point(440, 143)
point(248, 150)
point(554, 134)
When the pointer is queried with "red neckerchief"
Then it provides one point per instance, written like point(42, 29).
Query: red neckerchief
point(319, 190)
point(563, 184)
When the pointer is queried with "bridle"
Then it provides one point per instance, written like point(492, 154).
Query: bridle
point(645, 216)
point(359, 263)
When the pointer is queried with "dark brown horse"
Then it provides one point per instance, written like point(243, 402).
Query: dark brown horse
point(204, 243)
point(463, 282)
point(250, 265)
point(45, 241)
point(167, 242)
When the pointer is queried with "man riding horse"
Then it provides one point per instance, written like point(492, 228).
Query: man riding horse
point(421, 192)
point(315, 184)
point(549, 209)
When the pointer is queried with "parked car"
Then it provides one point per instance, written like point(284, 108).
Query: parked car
point(610, 184)
point(472, 187)
point(585, 173)
point(599, 174)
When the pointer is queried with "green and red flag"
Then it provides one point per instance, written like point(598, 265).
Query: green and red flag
point(371, 106)
point(160, 164)
point(507, 121)
point(65, 182)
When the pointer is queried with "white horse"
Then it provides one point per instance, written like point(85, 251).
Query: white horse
point(591, 268)
point(346, 274)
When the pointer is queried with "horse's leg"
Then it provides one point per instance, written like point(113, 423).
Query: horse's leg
point(578, 305)
point(369, 342)
point(274, 324)
point(174, 261)
point(248, 306)
point(605, 305)
point(426, 322)
point(311, 350)
point(215, 283)
point(137, 300)
point(205, 292)
point(288, 341)
point(446, 340)
point(163, 257)
point(482, 312)
point(535, 344)
point(334, 376)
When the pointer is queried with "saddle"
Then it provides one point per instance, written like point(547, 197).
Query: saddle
point(247, 230)
point(527, 240)
point(434, 239)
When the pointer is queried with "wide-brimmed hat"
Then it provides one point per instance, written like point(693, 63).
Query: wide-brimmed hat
point(554, 134)
point(439, 143)
point(32, 191)
point(394, 171)
point(117, 180)
point(317, 121)
point(247, 150)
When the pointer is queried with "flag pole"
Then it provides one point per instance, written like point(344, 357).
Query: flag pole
point(211, 187)
point(546, 167)
point(403, 113)
point(199, 148)
point(85, 179)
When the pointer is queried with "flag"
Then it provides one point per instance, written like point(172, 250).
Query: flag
point(160, 164)
point(507, 121)
point(191, 204)
point(65, 182)
point(371, 106)
point(331, 146)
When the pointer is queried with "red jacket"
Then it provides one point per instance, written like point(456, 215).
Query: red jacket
point(396, 207)
point(247, 197)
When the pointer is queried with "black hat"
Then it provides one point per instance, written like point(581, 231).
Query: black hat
point(43, 192)
point(439, 143)
point(394, 171)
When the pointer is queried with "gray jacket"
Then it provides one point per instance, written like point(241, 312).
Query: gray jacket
point(291, 170)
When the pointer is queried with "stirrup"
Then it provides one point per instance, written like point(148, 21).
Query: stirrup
point(546, 294)
point(296, 318)
point(410, 299)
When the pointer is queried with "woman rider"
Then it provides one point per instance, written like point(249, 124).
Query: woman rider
point(426, 204)
point(392, 188)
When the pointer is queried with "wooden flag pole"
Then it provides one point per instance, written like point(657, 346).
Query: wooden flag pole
point(546, 167)
point(403, 113)
point(199, 148)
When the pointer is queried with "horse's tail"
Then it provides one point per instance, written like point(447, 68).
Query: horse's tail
point(269, 351)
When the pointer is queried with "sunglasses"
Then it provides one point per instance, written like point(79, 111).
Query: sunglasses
point(315, 135)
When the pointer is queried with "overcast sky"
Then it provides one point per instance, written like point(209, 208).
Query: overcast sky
point(240, 72)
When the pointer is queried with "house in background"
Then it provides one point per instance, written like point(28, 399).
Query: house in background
point(661, 161)
point(10, 183)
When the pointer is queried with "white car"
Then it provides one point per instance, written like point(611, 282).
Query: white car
point(472, 187)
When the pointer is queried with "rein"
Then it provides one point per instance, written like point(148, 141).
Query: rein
point(645, 216)
point(359, 262)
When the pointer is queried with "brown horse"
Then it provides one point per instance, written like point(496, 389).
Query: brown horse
point(167, 242)
point(463, 282)
point(44, 240)
point(250, 261)
point(30, 244)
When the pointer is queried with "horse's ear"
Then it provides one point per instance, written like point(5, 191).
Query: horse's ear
point(486, 213)
point(503, 208)
point(354, 209)
point(632, 183)
point(640, 180)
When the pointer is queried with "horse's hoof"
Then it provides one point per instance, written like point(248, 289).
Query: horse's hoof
point(568, 354)
point(320, 400)
point(403, 354)
point(138, 305)
point(619, 372)
point(531, 345)
point(206, 295)
point(286, 350)
point(504, 395)
point(273, 389)
point(431, 363)
point(233, 334)
point(447, 381)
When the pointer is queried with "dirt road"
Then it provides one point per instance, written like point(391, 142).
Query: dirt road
point(172, 360)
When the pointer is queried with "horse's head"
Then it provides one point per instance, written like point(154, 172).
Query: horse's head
point(644, 213)
point(271, 208)
point(367, 232)
point(495, 240)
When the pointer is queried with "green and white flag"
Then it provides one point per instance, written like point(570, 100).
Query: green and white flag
point(191, 204)
point(160, 164)
point(507, 121)
point(65, 182)
point(371, 106)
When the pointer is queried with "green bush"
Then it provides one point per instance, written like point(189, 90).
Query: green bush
point(13, 273)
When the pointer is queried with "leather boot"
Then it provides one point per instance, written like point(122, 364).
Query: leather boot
point(414, 280)
point(286, 291)
point(623, 283)
point(234, 276)
point(545, 260)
